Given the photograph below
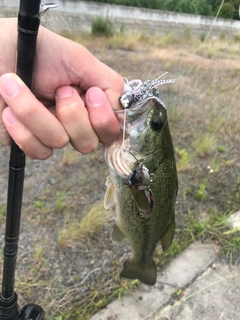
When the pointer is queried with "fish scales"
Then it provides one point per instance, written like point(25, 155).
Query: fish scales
point(148, 143)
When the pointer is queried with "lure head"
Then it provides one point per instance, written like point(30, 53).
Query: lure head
point(126, 99)
point(140, 178)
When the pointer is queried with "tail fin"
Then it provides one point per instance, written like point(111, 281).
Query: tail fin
point(145, 273)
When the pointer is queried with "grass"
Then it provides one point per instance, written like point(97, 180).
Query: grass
point(92, 222)
point(201, 192)
point(98, 300)
point(118, 41)
point(183, 160)
point(3, 212)
point(204, 145)
point(102, 27)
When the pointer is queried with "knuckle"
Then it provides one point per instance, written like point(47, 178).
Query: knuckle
point(99, 123)
point(67, 113)
point(26, 114)
point(60, 142)
point(35, 153)
point(86, 147)
point(40, 155)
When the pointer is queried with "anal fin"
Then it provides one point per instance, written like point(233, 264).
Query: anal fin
point(167, 238)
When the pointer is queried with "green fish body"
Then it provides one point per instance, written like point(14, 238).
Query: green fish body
point(147, 145)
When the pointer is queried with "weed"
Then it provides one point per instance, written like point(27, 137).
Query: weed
point(222, 35)
point(208, 49)
point(168, 39)
point(184, 159)
point(204, 144)
point(121, 42)
point(168, 65)
point(177, 294)
point(98, 299)
point(38, 252)
point(91, 223)
point(3, 212)
point(201, 192)
point(221, 149)
point(102, 27)
point(237, 36)
point(215, 163)
point(187, 32)
point(38, 204)
point(231, 243)
point(174, 249)
point(202, 37)
point(61, 203)
point(121, 28)
point(41, 205)
point(211, 228)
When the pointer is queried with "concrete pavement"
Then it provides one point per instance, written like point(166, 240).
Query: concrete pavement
point(195, 285)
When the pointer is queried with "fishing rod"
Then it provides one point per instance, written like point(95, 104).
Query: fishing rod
point(28, 24)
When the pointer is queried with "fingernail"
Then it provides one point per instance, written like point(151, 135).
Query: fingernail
point(9, 85)
point(95, 97)
point(9, 116)
point(64, 92)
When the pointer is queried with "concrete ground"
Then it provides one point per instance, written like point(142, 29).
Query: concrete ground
point(195, 285)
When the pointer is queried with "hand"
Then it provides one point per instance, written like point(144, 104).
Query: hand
point(73, 101)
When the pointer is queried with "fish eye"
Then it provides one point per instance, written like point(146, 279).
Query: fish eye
point(157, 124)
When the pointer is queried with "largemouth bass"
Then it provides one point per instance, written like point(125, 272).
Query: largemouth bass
point(143, 178)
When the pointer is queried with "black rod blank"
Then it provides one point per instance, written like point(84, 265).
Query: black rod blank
point(28, 24)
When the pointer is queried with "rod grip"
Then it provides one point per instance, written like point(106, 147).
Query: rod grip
point(28, 25)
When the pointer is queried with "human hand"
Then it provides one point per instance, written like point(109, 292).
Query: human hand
point(74, 97)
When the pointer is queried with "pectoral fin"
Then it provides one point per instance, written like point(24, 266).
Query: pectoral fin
point(117, 235)
point(166, 240)
point(109, 198)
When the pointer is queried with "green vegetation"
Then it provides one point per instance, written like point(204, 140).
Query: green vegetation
point(73, 231)
point(201, 192)
point(200, 7)
point(204, 144)
point(3, 212)
point(102, 27)
point(99, 299)
point(183, 159)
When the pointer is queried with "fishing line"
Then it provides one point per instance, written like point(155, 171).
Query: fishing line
point(124, 129)
point(214, 20)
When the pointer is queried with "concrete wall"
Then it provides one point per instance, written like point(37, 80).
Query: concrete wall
point(78, 16)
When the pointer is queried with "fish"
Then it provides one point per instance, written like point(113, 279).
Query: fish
point(142, 182)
